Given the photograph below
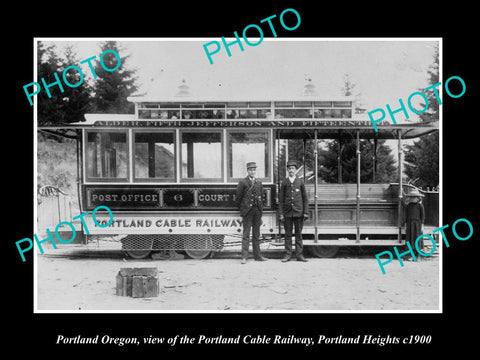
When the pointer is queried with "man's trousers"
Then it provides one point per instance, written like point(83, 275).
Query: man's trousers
point(252, 220)
point(289, 223)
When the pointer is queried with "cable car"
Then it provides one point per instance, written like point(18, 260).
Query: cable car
point(169, 172)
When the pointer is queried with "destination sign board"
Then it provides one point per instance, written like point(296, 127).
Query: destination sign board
point(166, 198)
point(240, 123)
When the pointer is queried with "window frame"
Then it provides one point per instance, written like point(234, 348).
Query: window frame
point(86, 160)
point(269, 155)
point(155, 179)
point(180, 156)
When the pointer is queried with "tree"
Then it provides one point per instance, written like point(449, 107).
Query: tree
point(77, 100)
point(433, 78)
point(421, 161)
point(339, 159)
point(384, 169)
point(422, 157)
point(113, 87)
point(297, 152)
point(62, 107)
point(49, 110)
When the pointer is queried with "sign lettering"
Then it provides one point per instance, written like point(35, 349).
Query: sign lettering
point(241, 124)
point(126, 198)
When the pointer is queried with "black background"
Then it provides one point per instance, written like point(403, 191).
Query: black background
point(26, 331)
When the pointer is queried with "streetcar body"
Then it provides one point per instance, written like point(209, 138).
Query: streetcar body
point(169, 173)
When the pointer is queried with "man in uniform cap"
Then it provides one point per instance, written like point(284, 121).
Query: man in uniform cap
point(249, 199)
point(293, 207)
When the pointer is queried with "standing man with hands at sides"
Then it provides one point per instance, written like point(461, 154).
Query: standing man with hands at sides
point(250, 201)
point(293, 207)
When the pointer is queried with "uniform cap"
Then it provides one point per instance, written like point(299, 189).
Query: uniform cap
point(292, 163)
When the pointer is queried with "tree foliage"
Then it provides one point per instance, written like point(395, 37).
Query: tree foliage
point(422, 157)
point(62, 107)
point(77, 100)
point(338, 158)
point(106, 94)
point(113, 87)
point(422, 161)
point(377, 164)
point(432, 112)
point(375, 167)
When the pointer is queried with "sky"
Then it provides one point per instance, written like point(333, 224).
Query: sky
point(383, 70)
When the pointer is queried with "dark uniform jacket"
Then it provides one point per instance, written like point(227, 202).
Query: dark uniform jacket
point(413, 211)
point(248, 196)
point(293, 201)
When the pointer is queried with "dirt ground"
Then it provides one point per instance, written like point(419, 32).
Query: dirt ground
point(72, 279)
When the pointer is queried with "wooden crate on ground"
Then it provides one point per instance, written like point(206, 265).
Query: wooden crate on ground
point(137, 282)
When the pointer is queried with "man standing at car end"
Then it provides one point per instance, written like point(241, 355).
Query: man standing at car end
point(293, 208)
point(249, 198)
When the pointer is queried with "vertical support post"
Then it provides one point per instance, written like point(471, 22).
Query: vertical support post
point(225, 155)
point(279, 179)
point(358, 187)
point(96, 145)
point(400, 185)
point(304, 158)
point(151, 159)
point(339, 160)
point(112, 162)
point(286, 154)
point(375, 143)
point(81, 173)
point(130, 141)
point(190, 159)
point(178, 158)
point(79, 145)
point(315, 190)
